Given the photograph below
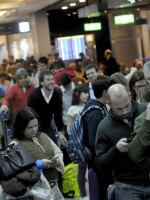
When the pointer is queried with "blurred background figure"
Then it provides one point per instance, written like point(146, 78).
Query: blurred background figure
point(111, 65)
point(43, 65)
point(85, 60)
point(139, 65)
point(101, 67)
point(123, 69)
point(51, 65)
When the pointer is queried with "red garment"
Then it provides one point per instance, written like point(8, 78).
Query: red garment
point(17, 96)
point(66, 70)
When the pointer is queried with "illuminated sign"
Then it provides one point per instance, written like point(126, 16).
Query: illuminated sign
point(124, 19)
point(89, 38)
point(92, 26)
point(24, 27)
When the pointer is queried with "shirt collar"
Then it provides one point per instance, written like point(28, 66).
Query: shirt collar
point(47, 99)
point(72, 88)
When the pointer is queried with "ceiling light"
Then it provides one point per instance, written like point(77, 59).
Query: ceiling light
point(64, 7)
point(72, 4)
point(81, 1)
point(69, 14)
point(2, 13)
point(74, 13)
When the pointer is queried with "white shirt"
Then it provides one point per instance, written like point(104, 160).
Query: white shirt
point(47, 99)
point(92, 96)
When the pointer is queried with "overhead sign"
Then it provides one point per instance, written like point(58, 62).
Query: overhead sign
point(92, 26)
point(124, 19)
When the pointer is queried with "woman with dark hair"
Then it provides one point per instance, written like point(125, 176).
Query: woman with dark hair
point(79, 98)
point(137, 81)
point(27, 132)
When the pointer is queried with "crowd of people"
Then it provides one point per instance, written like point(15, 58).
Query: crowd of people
point(44, 98)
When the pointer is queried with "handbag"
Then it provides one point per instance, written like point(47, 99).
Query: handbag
point(13, 160)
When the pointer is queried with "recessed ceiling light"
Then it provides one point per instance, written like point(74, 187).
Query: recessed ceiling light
point(69, 14)
point(2, 13)
point(72, 4)
point(74, 13)
point(64, 7)
point(82, 1)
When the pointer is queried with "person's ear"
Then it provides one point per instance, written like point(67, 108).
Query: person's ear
point(104, 93)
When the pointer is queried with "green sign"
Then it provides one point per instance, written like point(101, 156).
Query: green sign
point(124, 19)
point(92, 26)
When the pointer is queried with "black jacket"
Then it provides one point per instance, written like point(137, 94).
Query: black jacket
point(111, 66)
point(108, 157)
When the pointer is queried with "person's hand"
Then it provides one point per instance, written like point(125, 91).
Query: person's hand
point(122, 145)
point(3, 110)
point(49, 163)
point(62, 139)
point(148, 112)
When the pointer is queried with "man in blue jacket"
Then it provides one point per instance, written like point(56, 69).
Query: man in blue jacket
point(131, 180)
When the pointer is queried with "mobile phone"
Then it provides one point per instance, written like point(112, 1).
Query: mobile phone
point(129, 139)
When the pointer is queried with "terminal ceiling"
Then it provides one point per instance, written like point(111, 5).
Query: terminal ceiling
point(13, 10)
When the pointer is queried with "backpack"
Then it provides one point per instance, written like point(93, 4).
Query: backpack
point(78, 152)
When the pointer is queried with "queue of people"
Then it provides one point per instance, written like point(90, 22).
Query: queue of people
point(113, 130)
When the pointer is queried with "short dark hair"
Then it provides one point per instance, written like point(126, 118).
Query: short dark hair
point(102, 83)
point(65, 79)
point(81, 54)
point(43, 60)
point(91, 66)
point(59, 64)
point(23, 117)
point(77, 92)
point(44, 73)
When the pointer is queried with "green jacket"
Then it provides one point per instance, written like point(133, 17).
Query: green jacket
point(108, 157)
point(140, 145)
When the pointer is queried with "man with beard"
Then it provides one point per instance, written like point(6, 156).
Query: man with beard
point(112, 144)
point(46, 102)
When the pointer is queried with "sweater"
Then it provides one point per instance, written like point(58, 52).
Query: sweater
point(46, 110)
point(108, 157)
point(46, 150)
point(17, 96)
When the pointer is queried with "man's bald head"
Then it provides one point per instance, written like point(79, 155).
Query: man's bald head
point(120, 100)
point(117, 91)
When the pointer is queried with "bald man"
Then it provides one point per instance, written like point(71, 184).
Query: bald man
point(131, 180)
point(111, 65)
